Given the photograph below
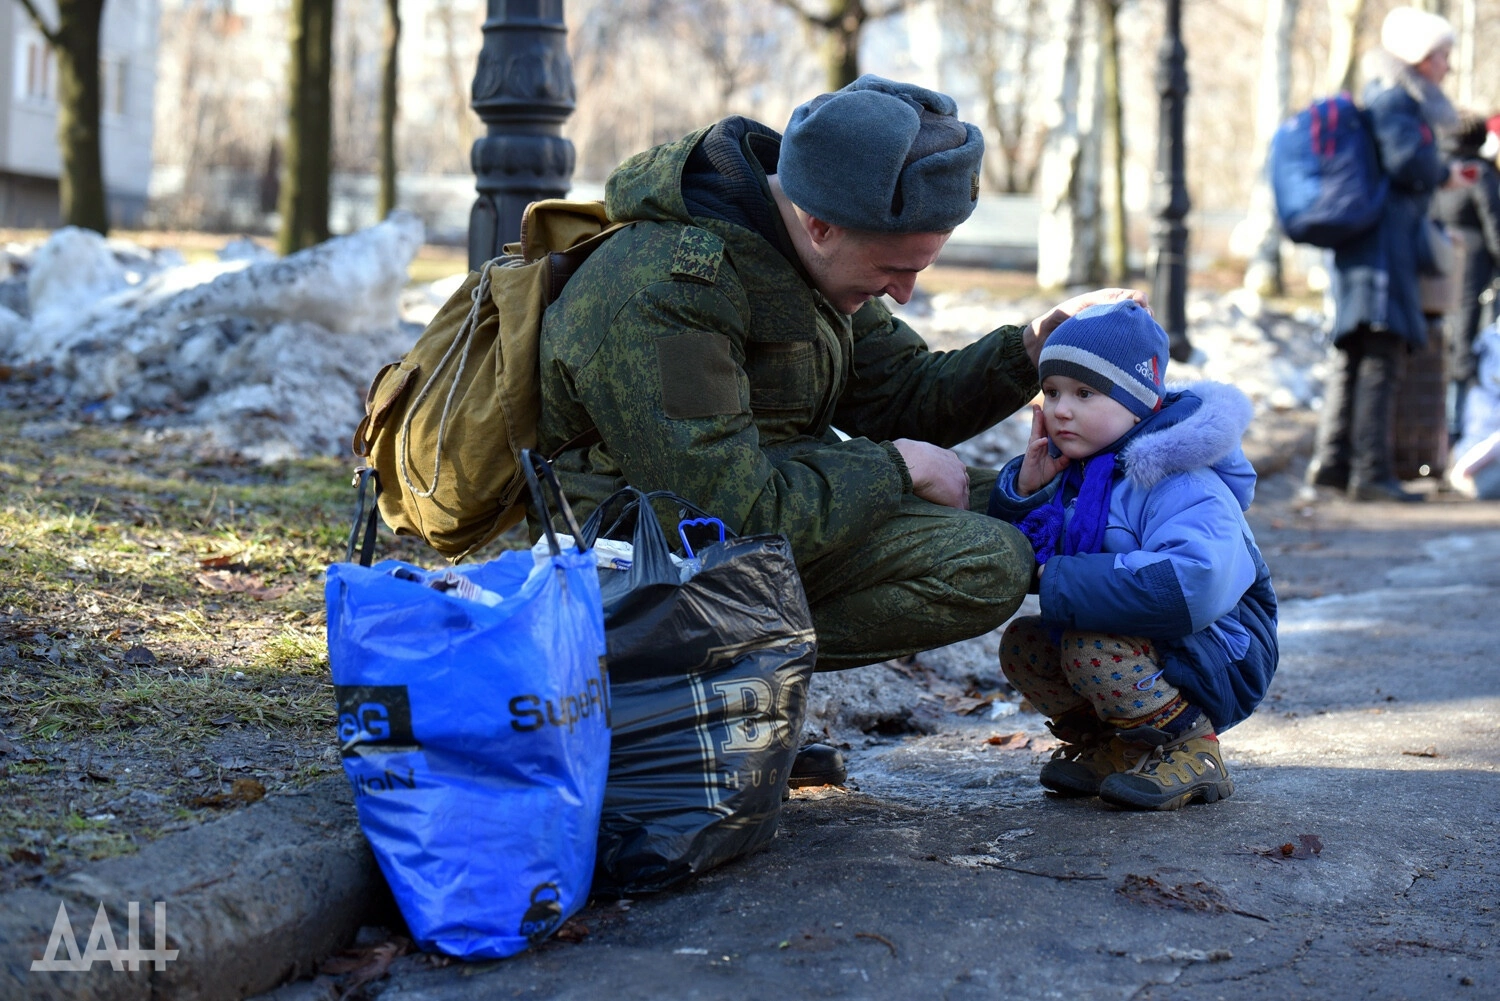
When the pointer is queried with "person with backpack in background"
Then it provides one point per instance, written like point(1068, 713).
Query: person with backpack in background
point(716, 344)
point(1378, 314)
point(1473, 212)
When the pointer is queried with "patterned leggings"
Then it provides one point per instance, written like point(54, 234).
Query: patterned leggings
point(1117, 677)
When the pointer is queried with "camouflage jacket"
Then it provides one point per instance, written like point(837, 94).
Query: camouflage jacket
point(711, 367)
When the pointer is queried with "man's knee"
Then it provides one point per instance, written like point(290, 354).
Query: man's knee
point(991, 562)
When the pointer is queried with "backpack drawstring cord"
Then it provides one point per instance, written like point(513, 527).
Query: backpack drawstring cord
point(466, 338)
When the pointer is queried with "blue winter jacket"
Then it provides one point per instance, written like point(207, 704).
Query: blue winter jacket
point(1375, 278)
point(1179, 563)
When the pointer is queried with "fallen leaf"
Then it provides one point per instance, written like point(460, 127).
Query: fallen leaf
point(965, 705)
point(572, 930)
point(241, 583)
point(245, 791)
point(364, 966)
point(1430, 751)
point(1306, 846)
point(139, 656)
point(1011, 741)
point(1195, 896)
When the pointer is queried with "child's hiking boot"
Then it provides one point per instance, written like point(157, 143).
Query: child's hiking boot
point(1089, 752)
point(1182, 769)
point(1077, 769)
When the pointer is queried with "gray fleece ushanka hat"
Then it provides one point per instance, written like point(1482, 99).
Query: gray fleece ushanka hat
point(883, 156)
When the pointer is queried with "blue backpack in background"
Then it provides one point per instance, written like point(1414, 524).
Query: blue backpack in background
point(1326, 174)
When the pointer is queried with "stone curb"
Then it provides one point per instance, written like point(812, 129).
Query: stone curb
point(251, 900)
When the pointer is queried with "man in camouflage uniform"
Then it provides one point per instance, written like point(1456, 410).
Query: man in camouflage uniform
point(717, 343)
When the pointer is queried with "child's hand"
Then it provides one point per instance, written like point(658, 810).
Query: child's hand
point(1038, 467)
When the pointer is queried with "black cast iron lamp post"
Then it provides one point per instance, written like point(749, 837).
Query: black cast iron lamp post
point(1169, 235)
point(523, 91)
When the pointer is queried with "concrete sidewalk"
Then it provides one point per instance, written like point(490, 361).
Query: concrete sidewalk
point(951, 875)
point(251, 900)
point(948, 873)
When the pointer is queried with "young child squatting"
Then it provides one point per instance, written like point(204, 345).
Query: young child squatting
point(1158, 620)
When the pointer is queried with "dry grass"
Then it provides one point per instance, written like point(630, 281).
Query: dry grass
point(161, 632)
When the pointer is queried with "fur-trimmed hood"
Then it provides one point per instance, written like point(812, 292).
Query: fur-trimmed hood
point(1200, 426)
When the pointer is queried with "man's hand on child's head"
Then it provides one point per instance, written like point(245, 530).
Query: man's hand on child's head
point(1036, 332)
point(1038, 466)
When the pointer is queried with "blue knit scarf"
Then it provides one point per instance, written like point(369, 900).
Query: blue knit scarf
point(1085, 530)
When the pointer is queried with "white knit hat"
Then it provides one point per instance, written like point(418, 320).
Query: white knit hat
point(1412, 35)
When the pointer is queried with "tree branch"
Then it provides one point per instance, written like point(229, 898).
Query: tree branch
point(893, 9)
point(53, 37)
point(826, 23)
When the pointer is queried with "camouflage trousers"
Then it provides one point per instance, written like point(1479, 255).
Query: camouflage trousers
point(927, 577)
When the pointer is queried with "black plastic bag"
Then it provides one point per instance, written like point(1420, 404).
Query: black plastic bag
point(708, 689)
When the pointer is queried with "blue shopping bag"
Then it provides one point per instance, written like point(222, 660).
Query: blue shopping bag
point(475, 733)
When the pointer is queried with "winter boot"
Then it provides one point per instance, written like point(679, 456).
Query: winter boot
point(817, 765)
point(1090, 752)
point(1173, 771)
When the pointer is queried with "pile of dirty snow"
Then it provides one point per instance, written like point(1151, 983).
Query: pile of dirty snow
point(269, 356)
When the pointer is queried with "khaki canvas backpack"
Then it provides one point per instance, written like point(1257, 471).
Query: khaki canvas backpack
point(444, 426)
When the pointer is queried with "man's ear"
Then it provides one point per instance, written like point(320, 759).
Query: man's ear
point(819, 231)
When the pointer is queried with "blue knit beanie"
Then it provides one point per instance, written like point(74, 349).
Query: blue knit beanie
point(1116, 348)
point(884, 156)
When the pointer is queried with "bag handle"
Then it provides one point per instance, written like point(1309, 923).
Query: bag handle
point(686, 523)
point(651, 561)
point(531, 462)
point(362, 476)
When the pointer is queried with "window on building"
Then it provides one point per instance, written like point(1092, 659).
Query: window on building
point(41, 72)
point(112, 80)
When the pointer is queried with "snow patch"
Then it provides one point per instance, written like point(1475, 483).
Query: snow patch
point(271, 356)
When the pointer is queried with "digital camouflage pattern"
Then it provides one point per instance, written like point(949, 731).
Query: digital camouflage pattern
point(712, 368)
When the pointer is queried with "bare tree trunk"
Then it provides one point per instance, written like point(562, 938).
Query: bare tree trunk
point(1262, 233)
point(998, 46)
point(459, 80)
point(842, 42)
point(304, 189)
point(1468, 16)
point(842, 27)
point(1343, 17)
point(389, 78)
point(75, 43)
point(1068, 235)
point(1118, 267)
